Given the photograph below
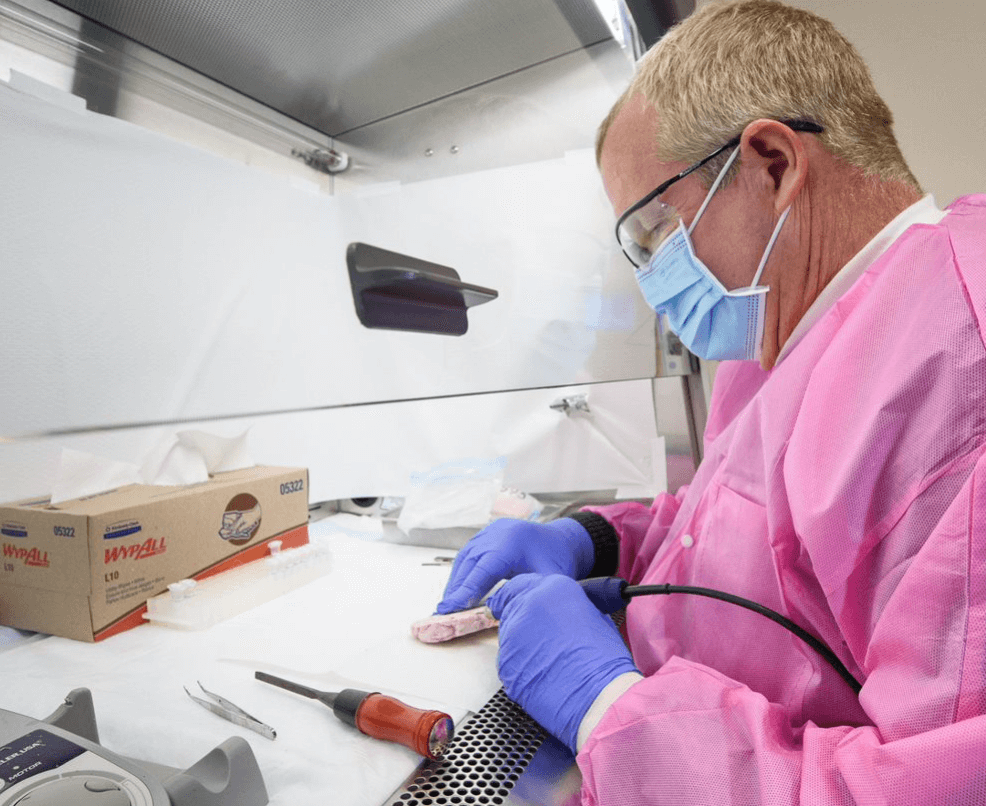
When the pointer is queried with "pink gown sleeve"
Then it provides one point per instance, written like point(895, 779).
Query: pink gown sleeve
point(690, 735)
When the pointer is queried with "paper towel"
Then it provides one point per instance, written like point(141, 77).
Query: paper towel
point(187, 457)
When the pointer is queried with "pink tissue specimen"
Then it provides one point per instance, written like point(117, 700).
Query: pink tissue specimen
point(436, 629)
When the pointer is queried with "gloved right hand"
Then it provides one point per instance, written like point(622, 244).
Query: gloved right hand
point(557, 651)
point(508, 547)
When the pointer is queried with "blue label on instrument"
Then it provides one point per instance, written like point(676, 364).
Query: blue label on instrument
point(34, 753)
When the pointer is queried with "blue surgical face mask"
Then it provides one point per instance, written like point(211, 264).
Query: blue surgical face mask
point(713, 322)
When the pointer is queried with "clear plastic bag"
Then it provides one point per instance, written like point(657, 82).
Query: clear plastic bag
point(460, 493)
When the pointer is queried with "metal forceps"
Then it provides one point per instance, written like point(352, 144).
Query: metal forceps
point(441, 561)
point(227, 710)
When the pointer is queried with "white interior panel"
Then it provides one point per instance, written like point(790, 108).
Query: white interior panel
point(372, 450)
point(149, 282)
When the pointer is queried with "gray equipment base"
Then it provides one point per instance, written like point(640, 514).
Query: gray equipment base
point(59, 762)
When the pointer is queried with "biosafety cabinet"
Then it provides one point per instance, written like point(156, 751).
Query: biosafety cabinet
point(371, 235)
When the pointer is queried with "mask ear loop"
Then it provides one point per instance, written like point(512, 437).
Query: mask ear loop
point(712, 190)
point(770, 246)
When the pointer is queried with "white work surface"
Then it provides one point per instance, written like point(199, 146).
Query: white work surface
point(349, 628)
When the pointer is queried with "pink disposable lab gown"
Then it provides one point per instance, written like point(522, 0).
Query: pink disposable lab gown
point(846, 489)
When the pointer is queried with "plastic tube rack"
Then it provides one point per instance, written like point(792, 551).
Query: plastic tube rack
point(191, 604)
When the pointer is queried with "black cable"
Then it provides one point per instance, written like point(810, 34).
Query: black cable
point(833, 661)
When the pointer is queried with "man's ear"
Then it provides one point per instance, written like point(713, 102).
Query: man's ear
point(778, 159)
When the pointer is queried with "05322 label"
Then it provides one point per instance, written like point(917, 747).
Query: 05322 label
point(295, 486)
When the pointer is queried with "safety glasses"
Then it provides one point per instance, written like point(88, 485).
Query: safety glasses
point(647, 223)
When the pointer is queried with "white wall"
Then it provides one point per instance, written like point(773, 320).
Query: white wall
point(927, 62)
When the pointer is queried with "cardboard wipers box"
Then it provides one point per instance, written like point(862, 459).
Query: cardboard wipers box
point(85, 568)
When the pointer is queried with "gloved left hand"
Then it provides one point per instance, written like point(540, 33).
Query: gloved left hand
point(557, 651)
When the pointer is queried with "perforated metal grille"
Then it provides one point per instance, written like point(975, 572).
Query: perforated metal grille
point(484, 761)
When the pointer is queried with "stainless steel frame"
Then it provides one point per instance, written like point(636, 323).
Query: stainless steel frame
point(338, 66)
point(107, 66)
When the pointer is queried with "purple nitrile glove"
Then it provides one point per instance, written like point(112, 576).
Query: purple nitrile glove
point(557, 651)
point(508, 547)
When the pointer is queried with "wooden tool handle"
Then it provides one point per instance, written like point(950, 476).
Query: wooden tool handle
point(426, 732)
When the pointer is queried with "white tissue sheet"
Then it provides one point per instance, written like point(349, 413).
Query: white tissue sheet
point(350, 628)
point(187, 457)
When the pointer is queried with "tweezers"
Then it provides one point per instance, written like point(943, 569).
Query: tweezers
point(227, 710)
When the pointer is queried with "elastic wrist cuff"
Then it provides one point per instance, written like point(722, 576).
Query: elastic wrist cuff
point(616, 689)
point(605, 542)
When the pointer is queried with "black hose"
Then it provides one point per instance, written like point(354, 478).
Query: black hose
point(830, 657)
